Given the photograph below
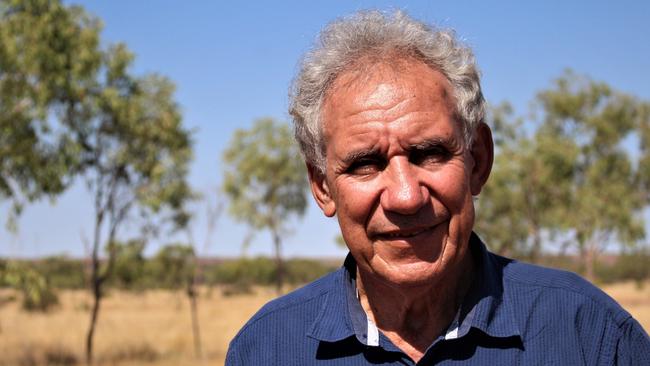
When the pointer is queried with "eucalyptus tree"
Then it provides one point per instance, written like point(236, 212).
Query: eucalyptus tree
point(49, 57)
point(529, 183)
point(605, 203)
point(574, 172)
point(176, 267)
point(266, 181)
point(136, 155)
point(71, 107)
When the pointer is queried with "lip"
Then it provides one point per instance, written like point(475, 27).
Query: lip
point(401, 234)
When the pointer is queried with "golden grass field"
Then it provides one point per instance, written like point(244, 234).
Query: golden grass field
point(154, 327)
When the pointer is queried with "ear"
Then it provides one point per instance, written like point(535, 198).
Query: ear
point(483, 154)
point(321, 191)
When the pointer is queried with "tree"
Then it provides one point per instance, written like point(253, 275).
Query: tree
point(644, 160)
point(177, 268)
point(570, 174)
point(48, 60)
point(70, 107)
point(605, 203)
point(529, 182)
point(135, 156)
point(174, 265)
point(266, 181)
point(47, 63)
point(213, 209)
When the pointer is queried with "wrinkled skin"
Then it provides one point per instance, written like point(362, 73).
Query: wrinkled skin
point(399, 177)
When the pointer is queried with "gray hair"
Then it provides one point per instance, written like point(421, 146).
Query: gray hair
point(378, 35)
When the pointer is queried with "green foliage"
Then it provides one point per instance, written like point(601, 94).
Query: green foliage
point(301, 271)
point(265, 177)
point(136, 150)
point(135, 156)
point(571, 174)
point(266, 181)
point(129, 267)
point(604, 203)
point(173, 266)
point(644, 160)
point(72, 107)
point(37, 294)
point(530, 181)
point(262, 271)
point(62, 272)
point(48, 61)
point(632, 265)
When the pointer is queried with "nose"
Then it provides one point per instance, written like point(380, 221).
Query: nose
point(403, 192)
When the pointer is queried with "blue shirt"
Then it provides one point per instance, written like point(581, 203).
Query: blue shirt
point(513, 314)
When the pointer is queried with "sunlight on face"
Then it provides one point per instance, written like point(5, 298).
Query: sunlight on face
point(398, 174)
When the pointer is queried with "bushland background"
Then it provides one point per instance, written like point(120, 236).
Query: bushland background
point(153, 199)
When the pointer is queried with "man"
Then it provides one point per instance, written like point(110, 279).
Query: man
point(389, 116)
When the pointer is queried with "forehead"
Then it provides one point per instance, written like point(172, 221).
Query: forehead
point(384, 92)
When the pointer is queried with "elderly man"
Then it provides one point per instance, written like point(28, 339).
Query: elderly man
point(389, 115)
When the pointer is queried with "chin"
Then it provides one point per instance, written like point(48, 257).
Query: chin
point(409, 275)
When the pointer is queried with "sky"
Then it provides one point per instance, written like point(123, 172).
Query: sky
point(233, 61)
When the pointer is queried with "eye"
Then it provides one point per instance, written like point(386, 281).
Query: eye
point(366, 166)
point(431, 155)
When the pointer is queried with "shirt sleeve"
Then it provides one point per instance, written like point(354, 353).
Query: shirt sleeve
point(633, 347)
point(232, 357)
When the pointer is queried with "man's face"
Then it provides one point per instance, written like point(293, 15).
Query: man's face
point(398, 175)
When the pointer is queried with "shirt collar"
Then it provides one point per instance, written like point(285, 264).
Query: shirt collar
point(334, 321)
point(485, 307)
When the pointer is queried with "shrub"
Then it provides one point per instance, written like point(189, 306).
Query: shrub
point(37, 293)
point(62, 272)
point(631, 266)
point(245, 272)
point(301, 271)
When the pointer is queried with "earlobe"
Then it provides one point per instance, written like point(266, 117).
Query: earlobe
point(483, 154)
point(321, 191)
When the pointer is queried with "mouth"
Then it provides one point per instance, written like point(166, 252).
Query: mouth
point(404, 234)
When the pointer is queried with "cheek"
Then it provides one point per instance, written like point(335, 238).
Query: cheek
point(451, 188)
point(356, 200)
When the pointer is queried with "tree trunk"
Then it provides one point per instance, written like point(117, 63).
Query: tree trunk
point(93, 319)
point(95, 281)
point(590, 262)
point(279, 278)
point(196, 332)
point(536, 250)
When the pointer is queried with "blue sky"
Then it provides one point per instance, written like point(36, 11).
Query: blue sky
point(232, 63)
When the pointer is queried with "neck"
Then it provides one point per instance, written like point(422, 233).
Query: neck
point(412, 318)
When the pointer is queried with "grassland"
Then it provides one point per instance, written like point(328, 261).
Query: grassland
point(154, 327)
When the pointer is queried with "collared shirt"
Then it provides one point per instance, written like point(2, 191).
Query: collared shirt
point(514, 313)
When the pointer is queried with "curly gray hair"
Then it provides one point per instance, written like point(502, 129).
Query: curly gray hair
point(377, 35)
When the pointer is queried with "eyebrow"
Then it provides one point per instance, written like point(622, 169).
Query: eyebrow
point(358, 155)
point(435, 142)
point(428, 144)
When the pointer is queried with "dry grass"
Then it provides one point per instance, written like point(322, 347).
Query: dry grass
point(154, 328)
point(134, 329)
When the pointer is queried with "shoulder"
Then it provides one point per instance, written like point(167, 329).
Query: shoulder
point(291, 314)
point(296, 299)
point(555, 304)
point(563, 288)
